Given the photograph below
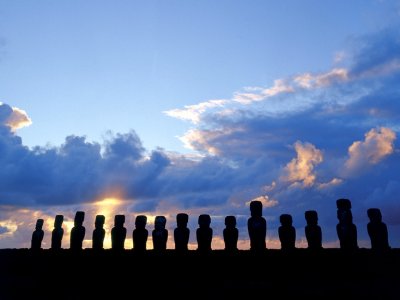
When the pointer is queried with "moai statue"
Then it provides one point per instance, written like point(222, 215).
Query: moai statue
point(160, 234)
point(287, 233)
point(78, 231)
point(230, 233)
point(181, 232)
point(377, 230)
point(98, 233)
point(313, 230)
point(257, 227)
point(118, 233)
point(204, 233)
point(37, 235)
point(140, 234)
point(346, 230)
point(57, 233)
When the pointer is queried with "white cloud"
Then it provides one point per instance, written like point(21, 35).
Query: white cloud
point(13, 117)
point(377, 145)
point(199, 140)
point(309, 81)
point(265, 200)
point(193, 113)
point(300, 169)
point(18, 119)
point(332, 183)
point(279, 87)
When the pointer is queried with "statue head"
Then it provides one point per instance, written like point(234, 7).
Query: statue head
point(159, 222)
point(140, 221)
point(374, 214)
point(311, 217)
point(343, 204)
point(256, 208)
point(230, 221)
point(79, 217)
point(182, 220)
point(39, 224)
point(119, 220)
point(58, 221)
point(99, 222)
point(286, 220)
point(204, 221)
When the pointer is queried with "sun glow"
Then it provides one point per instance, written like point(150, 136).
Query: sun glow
point(108, 207)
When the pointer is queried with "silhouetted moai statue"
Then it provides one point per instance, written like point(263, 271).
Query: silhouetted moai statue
point(98, 233)
point(377, 230)
point(313, 230)
point(287, 233)
point(257, 227)
point(230, 233)
point(204, 233)
point(78, 231)
point(118, 233)
point(57, 233)
point(160, 234)
point(181, 232)
point(346, 230)
point(140, 234)
point(37, 235)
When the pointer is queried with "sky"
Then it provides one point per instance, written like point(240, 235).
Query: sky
point(161, 107)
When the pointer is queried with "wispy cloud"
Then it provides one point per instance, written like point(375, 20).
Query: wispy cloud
point(193, 113)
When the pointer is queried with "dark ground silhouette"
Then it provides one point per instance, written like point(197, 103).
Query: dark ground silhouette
point(348, 272)
point(244, 274)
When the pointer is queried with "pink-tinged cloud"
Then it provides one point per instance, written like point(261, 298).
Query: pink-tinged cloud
point(13, 117)
point(280, 86)
point(378, 144)
point(310, 81)
point(265, 200)
point(301, 168)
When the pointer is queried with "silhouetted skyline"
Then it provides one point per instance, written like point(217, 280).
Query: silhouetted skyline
point(256, 229)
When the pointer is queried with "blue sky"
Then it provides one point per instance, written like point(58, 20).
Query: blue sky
point(198, 106)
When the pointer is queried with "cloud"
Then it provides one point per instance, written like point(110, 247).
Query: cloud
point(193, 113)
point(300, 169)
point(263, 93)
point(3, 230)
point(13, 117)
point(265, 200)
point(377, 145)
point(297, 144)
point(310, 81)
